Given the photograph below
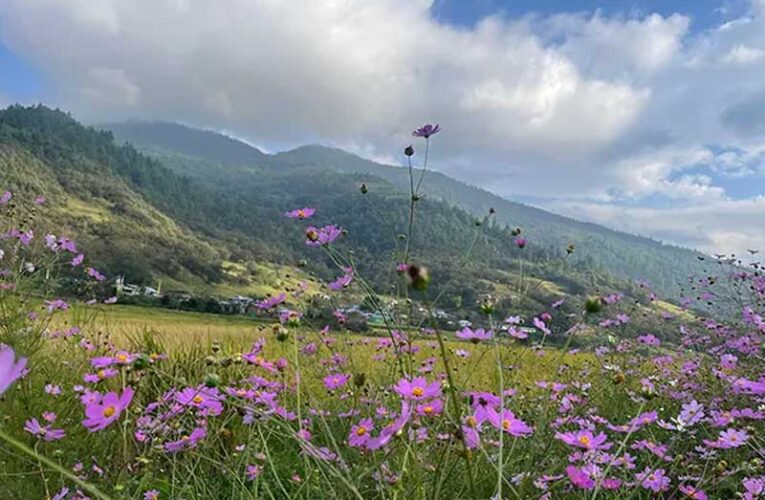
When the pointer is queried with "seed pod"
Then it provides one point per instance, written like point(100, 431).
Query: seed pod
point(212, 380)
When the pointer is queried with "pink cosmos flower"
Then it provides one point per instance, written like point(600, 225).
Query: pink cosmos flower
point(649, 339)
point(430, 409)
point(316, 237)
point(186, 442)
point(579, 478)
point(655, 480)
point(77, 260)
point(336, 380)
point(730, 438)
point(361, 433)
point(418, 389)
point(342, 281)
point(585, 439)
point(474, 336)
point(253, 471)
point(508, 423)
point(691, 492)
point(5, 197)
point(101, 414)
point(47, 432)
point(102, 374)
point(10, 370)
point(520, 242)
point(691, 414)
point(427, 130)
point(754, 487)
point(392, 429)
point(540, 325)
point(300, 213)
point(151, 495)
point(271, 302)
point(201, 398)
point(121, 358)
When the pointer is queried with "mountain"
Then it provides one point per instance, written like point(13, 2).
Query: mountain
point(619, 254)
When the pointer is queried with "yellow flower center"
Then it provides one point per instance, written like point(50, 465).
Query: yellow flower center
point(471, 421)
point(301, 213)
point(122, 357)
point(361, 431)
point(241, 392)
point(185, 438)
point(418, 392)
point(584, 440)
point(197, 399)
point(109, 411)
point(427, 410)
point(506, 424)
point(101, 374)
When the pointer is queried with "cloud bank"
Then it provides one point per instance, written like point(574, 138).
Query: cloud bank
point(631, 120)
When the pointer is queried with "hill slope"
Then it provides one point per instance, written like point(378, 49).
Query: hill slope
point(620, 254)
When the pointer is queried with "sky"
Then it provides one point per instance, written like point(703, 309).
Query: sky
point(646, 115)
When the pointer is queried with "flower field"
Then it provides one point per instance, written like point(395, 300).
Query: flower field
point(105, 401)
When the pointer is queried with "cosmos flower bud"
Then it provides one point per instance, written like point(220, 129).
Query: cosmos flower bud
point(364, 189)
point(487, 305)
point(210, 360)
point(593, 305)
point(516, 232)
point(492, 211)
point(212, 380)
point(141, 362)
point(409, 150)
point(618, 378)
point(359, 379)
point(570, 248)
point(418, 277)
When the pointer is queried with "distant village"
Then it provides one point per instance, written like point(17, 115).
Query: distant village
point(243, 305)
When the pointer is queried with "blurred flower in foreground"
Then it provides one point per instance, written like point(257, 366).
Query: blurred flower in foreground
point(10, 370)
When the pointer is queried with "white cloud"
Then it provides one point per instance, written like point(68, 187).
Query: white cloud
point(741, 54)
point(587, 107)
point(724, 226)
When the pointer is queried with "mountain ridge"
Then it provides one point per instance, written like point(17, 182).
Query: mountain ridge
point(617, 250)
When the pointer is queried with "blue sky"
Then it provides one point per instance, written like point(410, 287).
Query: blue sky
point(704, 13)
point(644, 115)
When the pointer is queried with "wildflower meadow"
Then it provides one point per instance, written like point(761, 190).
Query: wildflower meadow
point(546, 405)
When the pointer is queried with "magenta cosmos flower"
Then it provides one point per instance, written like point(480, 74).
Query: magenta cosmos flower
point(418, 389)
point(46, 432)
point(106, 410)
point(474, 336)
point(427, 130)
point(186, 442)
point(579, 478)
point(730, 438)
point(10, 368)
point(336, 380)
point(508, 423)
point(361, 433)
point(316, 237)
point(300, 213)
point(271, 302)
point(584, 439)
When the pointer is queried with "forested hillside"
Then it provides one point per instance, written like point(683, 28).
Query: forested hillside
point(142, 218)
point(622, 255)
